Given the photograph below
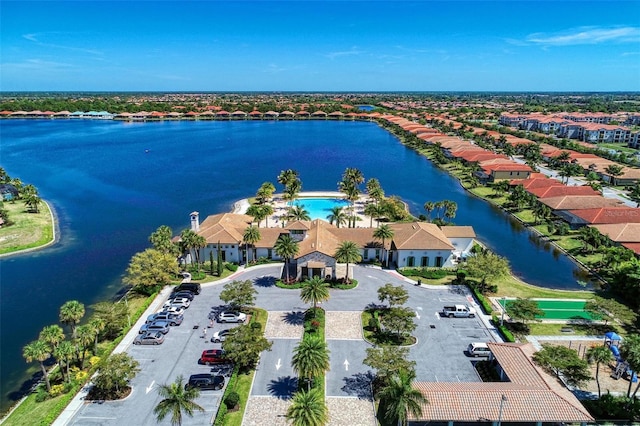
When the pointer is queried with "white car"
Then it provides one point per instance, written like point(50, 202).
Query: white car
point(232, 317)
point(174, 309)
point(221, 336)
point(178, 301)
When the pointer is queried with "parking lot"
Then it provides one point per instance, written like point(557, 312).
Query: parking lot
point(439, 351)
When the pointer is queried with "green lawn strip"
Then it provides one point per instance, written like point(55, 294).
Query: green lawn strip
point(510, 286)
point(553, 329)
point(310, 330)
point(30, 230)
point(241, 383)
point(45, 412)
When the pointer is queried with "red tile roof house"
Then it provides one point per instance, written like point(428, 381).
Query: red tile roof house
point(493, 170)
point(561, 190)
point(604, 215)
point(624, 234)
point(527, 395)
point(566, 207)
point(536, 182)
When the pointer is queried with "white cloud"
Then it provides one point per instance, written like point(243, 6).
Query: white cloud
point(36, 38)
point(353, 52)
point(587, 35)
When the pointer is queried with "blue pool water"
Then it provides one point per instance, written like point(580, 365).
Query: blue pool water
point(319, 207)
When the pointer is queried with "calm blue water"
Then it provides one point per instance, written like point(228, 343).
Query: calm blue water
point(320, 208)
point(113, 183)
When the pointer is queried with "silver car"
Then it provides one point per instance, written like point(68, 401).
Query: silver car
point(172, 319)
point(161, 326)
point(221, 335)
point(153, 338)
point(232, 316)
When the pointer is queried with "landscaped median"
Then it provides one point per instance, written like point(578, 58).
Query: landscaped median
point(29, 231)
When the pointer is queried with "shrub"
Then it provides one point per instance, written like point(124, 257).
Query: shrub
point(222, 412)
point(373, 324)
point(232, 400)
point(56, 390)
point(41, 394)
point(231, 267)
point(255, 326)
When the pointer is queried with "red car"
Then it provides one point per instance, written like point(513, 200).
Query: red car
point(213, 356)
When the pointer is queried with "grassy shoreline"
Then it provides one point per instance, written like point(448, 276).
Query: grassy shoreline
point(30, 231)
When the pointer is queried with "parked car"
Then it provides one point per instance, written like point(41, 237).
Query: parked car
point(213, 356)
point(460, 311)
point(205, 381)
point(478, 349)
point(231, 316)
point(185, 293)
point(181, 301)
point(150, 338)
point(174, 309)
point(221, 336)
point(161, 326)
point(172, 319)
point(194, 288)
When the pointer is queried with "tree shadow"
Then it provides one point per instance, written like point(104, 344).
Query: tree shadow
point(283, 387)
point(294, 318)
point(457, 289)
point(265, 281)
point(359, 385)
point(374, 306)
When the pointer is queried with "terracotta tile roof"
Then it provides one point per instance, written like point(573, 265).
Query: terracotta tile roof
point(480, 156)
point(632, 246)
point(417, 235)
point(620, 232)
point(608, 214)
point(530, 395)
point(227, 228)
point(458, 231)
point(578, 202)
point(537, 182)
point(269, 236)
point(560, 190)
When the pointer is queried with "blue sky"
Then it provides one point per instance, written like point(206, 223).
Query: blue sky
point(319, 46)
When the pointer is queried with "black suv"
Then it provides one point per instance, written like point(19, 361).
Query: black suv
point(192, 287)
point(205, 381)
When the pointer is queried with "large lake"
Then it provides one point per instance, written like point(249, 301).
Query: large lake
point(113, 183)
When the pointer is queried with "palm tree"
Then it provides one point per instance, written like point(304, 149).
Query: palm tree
point(383, 233)
point(308, 409)
point(398, 397)
point(257, 212)
point(97, 324)
point(373, 210)
point(429, 206)
point(315, 290)
point(64, 354)
point(199, 242)
point(250, 237)
point(52, 335)
point(85, 337)
point(292, 190)
point(298, 213)
point(176, 399)
point(71, 313)
point(310, 358)
point(286, 247)
point(265, 192)
point(266, 210)
point(40, 351)
point(337, 216)
point(450, 209)
point(348, 252)
point(374, 190)
point(599, 355)
point(287, 176)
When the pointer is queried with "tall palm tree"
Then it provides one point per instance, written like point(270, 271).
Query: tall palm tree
point(85, 337)
point(251, 236)
point(176, 400)
point(39, 351)
point(308, 409)
point(298, 213)
point(266, 210)
point(265, 192)
point(286, 247)
point(348, 252)
point(52, 335)
point(98, 325)
point(199, 242)
point(337, 216)
point(286, 177)
point(374, 190)
point(292, 190)
point(257, 212)
point(373, 210)
point(450, 209)
point(384, 232)
point(310, 358)
point(398, 398)
point(599, 355)
point(429, 206)
point(64, 353)
point(315, 290)
point(71, 312)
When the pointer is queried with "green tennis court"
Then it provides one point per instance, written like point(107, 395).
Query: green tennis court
point(558, 309)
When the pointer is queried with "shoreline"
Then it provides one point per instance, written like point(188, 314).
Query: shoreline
point(55, 235)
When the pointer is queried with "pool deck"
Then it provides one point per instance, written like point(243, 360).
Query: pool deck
point(280, 207)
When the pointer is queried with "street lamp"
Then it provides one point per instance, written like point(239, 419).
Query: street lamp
point(502, 401)
point(504, 308)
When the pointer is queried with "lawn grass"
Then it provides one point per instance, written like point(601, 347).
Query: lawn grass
point(511, 286)
point(31, 413)
point(30, 230)
point(244, 381)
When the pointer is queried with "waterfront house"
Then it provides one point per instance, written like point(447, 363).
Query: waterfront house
point(624, 234)
point(567, 207)
point(603, 215)
point(413, 244)
point(562, 190)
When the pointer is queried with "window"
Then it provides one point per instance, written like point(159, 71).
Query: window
point(377, 253)
point(269, 254)
point(424, 261)
point(366, 254)
point(411, 261)
point(439, 261)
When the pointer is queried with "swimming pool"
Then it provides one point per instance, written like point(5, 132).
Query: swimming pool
point(319, 207)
